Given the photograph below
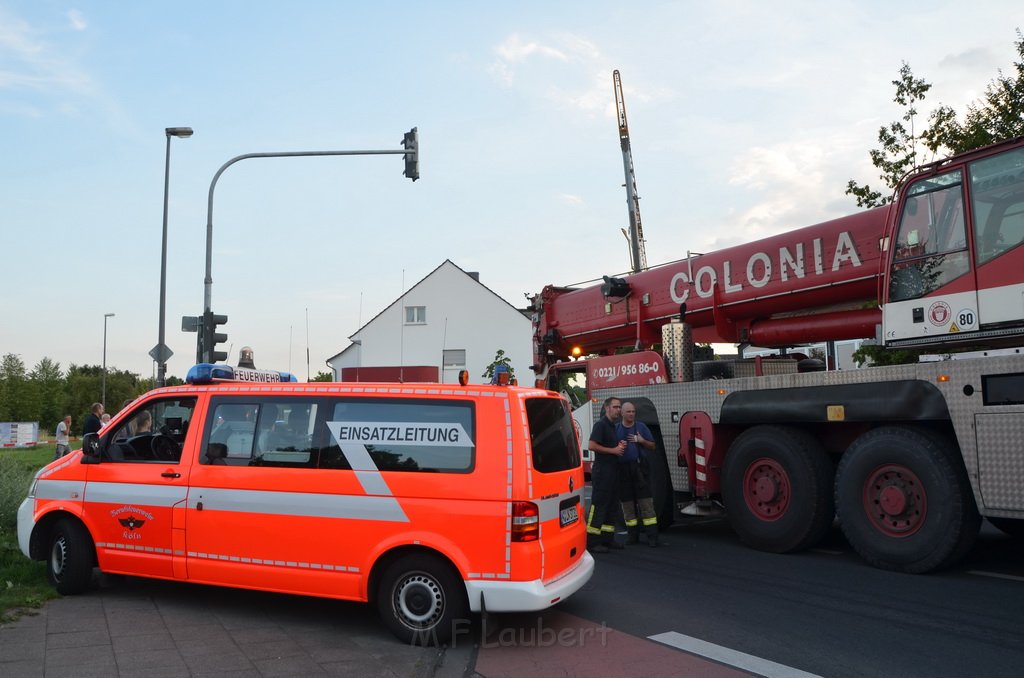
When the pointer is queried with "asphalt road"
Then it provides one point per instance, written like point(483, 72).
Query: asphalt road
point(702, 606)
point(823, 612)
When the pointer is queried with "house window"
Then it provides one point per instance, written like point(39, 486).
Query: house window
point(415, 315)
point(454, 358)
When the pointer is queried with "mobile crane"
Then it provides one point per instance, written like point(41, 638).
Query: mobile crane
point(908, 457)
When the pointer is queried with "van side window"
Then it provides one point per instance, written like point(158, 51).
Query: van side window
point(152, 433)
point(232, 431)
point(407, 434)
point(286, 435)
point(552, 436)
point(275, 432)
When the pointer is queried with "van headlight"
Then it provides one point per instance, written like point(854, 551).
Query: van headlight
point(32, 486)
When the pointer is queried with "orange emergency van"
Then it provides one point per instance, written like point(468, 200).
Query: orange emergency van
point(430, 500)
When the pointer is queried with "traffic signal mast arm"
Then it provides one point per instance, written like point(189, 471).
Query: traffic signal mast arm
point(410, 153)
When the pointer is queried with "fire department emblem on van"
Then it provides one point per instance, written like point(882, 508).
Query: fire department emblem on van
point(131, 522)
point(131, 518)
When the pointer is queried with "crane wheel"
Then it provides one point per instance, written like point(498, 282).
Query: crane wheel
point(777, 488)
point(904, 502)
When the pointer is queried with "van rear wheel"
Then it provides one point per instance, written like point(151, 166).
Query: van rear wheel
point(420, 599)
point(70, 559)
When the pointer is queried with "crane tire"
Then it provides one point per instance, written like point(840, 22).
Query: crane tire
point(777, 489)
point(904, 501)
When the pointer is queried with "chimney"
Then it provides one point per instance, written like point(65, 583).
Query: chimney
point(475, 275)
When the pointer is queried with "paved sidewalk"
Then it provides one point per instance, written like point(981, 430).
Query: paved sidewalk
point(138, 627)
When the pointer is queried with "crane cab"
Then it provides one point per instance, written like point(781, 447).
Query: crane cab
point(955, 257)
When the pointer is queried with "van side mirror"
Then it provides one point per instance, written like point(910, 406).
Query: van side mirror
point(91, 448)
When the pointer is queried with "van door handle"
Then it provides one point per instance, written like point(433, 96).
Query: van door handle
point(170, 474)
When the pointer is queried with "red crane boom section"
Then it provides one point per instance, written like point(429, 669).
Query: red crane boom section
point(817, 283)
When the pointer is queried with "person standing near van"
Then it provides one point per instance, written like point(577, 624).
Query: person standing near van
point(633, 472)
point(92, 422)
point(607, 446)
point(63, 437)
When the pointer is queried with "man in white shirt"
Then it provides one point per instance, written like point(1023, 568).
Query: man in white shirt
point(63, 434)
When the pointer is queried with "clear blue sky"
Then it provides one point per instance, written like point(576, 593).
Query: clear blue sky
point(747, 119)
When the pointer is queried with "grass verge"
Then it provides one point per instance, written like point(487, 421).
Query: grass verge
point(23, 583)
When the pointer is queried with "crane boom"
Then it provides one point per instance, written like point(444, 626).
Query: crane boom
point(637, 254)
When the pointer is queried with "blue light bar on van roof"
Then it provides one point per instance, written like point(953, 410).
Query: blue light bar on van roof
point(208, 373)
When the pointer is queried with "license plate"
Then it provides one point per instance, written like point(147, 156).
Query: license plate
point(569, 515)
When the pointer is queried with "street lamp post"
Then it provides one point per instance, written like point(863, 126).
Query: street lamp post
point(103, 394)
point(161, 353)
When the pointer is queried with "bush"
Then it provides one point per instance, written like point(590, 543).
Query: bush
point(23, 582)
point(17, 467)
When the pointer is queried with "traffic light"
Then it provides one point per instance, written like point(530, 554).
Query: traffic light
point(411, 144)
point(211, 337)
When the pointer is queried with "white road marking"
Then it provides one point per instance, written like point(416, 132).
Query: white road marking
point(997, 575)
point(724, 655)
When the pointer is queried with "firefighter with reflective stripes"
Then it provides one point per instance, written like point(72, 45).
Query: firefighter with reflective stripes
point(633, 469)
point(607, 446)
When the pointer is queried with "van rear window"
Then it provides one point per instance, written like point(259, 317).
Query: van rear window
point(552, 436)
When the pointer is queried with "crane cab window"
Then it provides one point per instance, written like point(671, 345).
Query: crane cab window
point(931, 244)
point(997, 192)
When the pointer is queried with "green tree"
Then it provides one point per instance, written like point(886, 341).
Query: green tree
point(996, 116)
point(500, 359)
point(323, 376)
point(82, 390)
point(48, 382)
point(875, 355)
point(14, 389)
point(900, 142)
point(85, 387)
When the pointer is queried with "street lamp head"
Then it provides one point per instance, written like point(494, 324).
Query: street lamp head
point(109, 315)
point(180, 132)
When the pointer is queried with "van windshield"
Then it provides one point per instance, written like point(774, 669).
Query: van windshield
point(552, 437)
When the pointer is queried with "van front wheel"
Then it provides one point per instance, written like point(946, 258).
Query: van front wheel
point(70, 559)
point(421, 599)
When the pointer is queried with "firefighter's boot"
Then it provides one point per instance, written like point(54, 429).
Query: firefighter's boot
point(632, 524)
point(649, 519)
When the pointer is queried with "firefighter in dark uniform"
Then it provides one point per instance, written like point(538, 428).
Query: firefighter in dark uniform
point(634, 473)
point(604, 479)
